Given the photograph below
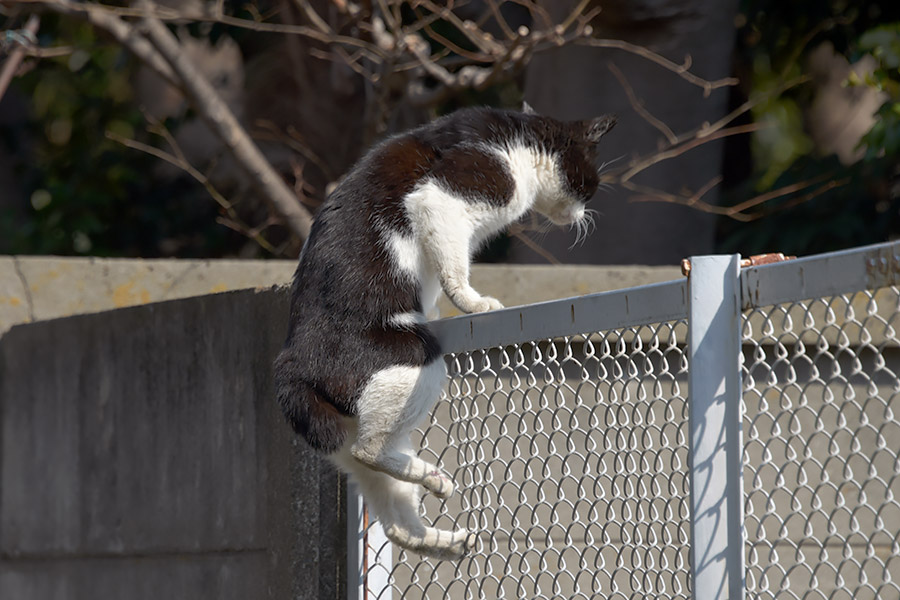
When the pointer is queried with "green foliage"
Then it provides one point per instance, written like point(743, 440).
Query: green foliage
point(76, 176)
point(883, 43)
point(861, 204)
point(85, 194)
point(858, 210)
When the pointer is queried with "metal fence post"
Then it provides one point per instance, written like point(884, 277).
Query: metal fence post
point(369, 553)
point(714, 341)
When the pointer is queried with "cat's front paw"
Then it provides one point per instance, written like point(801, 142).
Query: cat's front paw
point(486, 303)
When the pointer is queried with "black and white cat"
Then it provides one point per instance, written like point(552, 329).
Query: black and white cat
point(360, 368)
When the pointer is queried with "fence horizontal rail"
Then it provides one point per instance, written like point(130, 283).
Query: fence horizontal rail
point(602, 311)
point(847, 271)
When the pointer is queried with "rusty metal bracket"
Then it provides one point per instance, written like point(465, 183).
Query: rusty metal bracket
point(754, 261)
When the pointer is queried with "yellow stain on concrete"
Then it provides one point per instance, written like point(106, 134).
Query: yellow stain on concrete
point(126, 295)
point(219, 287)
point(36, 283)
point(11, 300)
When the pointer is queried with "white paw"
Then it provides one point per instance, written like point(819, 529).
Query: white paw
point(470, 542)
point(463, 542)
point(439, 484)
point(486, 303)
point(462, 546)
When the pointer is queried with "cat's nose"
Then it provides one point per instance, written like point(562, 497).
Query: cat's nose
point(572, 214)
point(579, 213)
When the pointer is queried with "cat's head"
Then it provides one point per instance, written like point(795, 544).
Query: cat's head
point(572, 145)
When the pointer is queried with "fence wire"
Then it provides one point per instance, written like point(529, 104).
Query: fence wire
point(570, 459)
point(821, 439)
point(572, 462)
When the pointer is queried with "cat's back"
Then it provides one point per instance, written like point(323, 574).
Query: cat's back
point(348, 255)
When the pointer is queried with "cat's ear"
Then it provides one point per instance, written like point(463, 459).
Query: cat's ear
point(527, 110)
point(597, 128)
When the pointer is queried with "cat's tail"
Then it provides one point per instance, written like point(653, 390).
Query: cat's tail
point(308, 411)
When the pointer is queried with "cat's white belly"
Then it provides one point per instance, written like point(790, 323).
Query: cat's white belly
point(399, 398)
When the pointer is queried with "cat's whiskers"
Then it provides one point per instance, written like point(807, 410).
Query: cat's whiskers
point(582, 228)
point(607, 163)
point(590, 222)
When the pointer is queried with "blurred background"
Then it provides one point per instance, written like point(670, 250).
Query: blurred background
point(744, 126)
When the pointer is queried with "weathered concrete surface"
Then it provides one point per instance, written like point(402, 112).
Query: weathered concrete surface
point(34, 288)
point(142, 456)
point(237, 576)
point(39, 288)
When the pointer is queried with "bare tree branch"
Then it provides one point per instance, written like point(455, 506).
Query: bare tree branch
point(391, 46)
point(166, 14)
point(220, 118)
point(638, 105)
point(400, 65)
point(122, 31)
point(738, 211)
point(543, 252)
point(680, 70)
point(15, 57)
point(178, 160)
point(703, 134)
point(639, 165)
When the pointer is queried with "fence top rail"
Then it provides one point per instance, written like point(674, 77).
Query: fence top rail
point(633, 307)
point(823, 275)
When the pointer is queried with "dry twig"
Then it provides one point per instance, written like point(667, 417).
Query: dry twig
point(177, 159)
point(15, 57)
point(738, 211)
point(638, 105)
point(221, 120)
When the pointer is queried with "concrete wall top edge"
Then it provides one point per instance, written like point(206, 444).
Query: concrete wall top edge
point(37, 288)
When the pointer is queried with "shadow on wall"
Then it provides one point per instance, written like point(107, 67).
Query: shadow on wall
point(144, 457)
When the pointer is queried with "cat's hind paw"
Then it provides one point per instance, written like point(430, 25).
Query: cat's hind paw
point(464, 542)
point(438, 483)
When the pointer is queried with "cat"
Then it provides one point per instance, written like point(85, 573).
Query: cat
point(360, 367)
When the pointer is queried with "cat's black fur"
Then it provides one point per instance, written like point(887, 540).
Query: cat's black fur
point(346, 290)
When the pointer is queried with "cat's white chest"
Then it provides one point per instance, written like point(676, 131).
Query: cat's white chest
point(409, 261)
point(405, 254)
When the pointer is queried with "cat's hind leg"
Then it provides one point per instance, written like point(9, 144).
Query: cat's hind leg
point(395, 504)
point(391, 404)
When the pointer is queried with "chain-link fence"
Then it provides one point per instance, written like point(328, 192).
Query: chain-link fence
point(822, 447)
point(568, 429)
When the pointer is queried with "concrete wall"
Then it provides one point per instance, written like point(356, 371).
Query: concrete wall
point(142, 456)
point(141, 452)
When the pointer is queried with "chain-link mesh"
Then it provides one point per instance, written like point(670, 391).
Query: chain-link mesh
point(570, 460)
point(821, 441)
